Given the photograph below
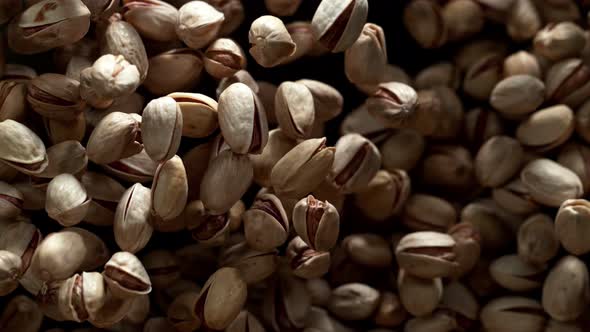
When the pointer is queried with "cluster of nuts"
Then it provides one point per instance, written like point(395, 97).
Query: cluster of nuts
point(452, 200)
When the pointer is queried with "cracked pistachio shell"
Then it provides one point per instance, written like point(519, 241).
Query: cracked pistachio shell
point(305, 262)
point(105, 193)
point(223, 58)
point(537, 241)
point(48, 24)
point(369, 45)
point(547, 128)
point(109, 77)
point(131, 224)
point(338, 24)
point(161, 128)
point(199, 114)
point(163, 267)
point(22, 149)
point(211, 230)
point(356, 161)
point(245, 321)
point(242, 119)
point(55, 96)
point(198, 23)
point(222, 298)
point(184, 62)
point(254, 265)
point(327, 101)
point(572, 225)
point(393, 103)
point(492, 168)
point(295, 110)
point(286, 303)
point(277, 146)
point(483, 75)
point(12, 99)
point(11, 201)
point(137, 168)
point(114, 138)
point(302, 169)
point(317, 223)
point(126, 276)
point(566, 293)
point(67, 201)
point(353, 301)
point(266, 225)
point(427, 254)
point(557, 41)
point(10, 271)
point(419, 296)
point(270, 40)
point(21, 314)
point(121, 38)
point(461, 301)
point(227, 178)
point(549, 183)
point(567, 82)
point(433, 30)
point(368, 249)
point(385, 195)
point(508, 99)
point(81, 296)
point(515, 274)
point(65, 157)
point(22, 239)
point(513, 313)
point(61, 131)
point(169, 189)
point(153, 19)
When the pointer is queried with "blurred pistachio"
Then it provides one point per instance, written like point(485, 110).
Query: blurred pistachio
point(245, 321)
point(48, 24)
point(390, 73)
point(368, 250)
point(513, 312)
point(427, 212)
point(185, 62)
point(493, 230)
point(115, 137)
point(515, 198)
point(508, 99)
point(515, 274)
point(522, 63)
point(427, 254)
point(523, 20)
point(353, 301)
point(162, 266)
point(442, 73)
point(101, 9)
point(369, 45)
point(282, 7)
point(11, 201)
point(467, 248)
point(433, 32)
point(254, 265)
point(277, 146)
point(483, 75)
point(21, 313)
point(105, 193)
point(198, 23)
point(193, 163)
point(223, 58)
point(491, 167)
point(12, 100)
point(402, 150)
point(155, 20)
point(66, 157)
point(362, 122)
point(463, 18)
point(306, 262)
point(317, 223)
point(574, 156)
point(55, 96)
point(566, 82)
point(571, 225)
point(537, 241)
point(557, 41)
point(566, 293)
point(547, 128)
point(550, 183)
point(60, 131)
point(390, 312)
point(439, 320)
point(385, 195)
point(419, 296)
point(480, 124)
point(137, 168)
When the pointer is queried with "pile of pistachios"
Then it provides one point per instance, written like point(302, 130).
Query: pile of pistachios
point(150, 183)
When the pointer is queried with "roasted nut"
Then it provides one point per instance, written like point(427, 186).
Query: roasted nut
point(565, 292)
point(198, 23)
point(161, 128)
point(126, 276)
point(427, 254)
point(317, 223)
point(419, 296)
point(356, 161)
point(353, 301)
point(266, 225)
point(550, 183)
point(184, 62)
point(337, 24)
point(131, 226)
point(67, 200)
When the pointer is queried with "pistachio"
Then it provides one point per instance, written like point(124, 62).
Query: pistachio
point(368, 250)
point(282, 7)
point(434, 31)
point(21, 314)
point(105, 193)
point(242, 119)
point(305, 262)
point(356, 161)
point(223, 58)
point(523, 21)
point(463, 18)
point(571, 225)
point(467, 248)
point(440, 320)
point(491, 167)
point(161, 128)
point(483, 75)
point(427, 254)
point(12, 100)
point(59, 255)
point(393, 103)
point(565, 292)
point(66, 157)
point(81, 296)
point(67, 200)
point(61, 131)
point(48, 24)
point(369, 45)
point(22, 239)
point(461, 302)
point(286, 303)
point(295, 110)
point(556, 123)
point(513, 273)
point(360, 121)
point(303, 168)
point(185, 62)
point(566, 82)
point(10, 271)
point(199, 114)
point(480, 124)
point(522, 63)
point(515, 198)
point(131, 224)
point(439, 74)
point(121, 38)
point(112, 312)
point(266, 225)
point(338, 24)
point(155, 20)
point(427, 212)
point(245, 321)
point(557, 41)
point(11, 201)
point(301, 33)
point(115, 137)
point(276, 147)
point(390, 312)
point(317, 223)
point(23, 149)
point(254, 265)
point(327, 101)
point(550, 183)
point(353, 301)
point(209, 229)
point(513, 312)
point(385, 195)
point(198, 23)
point(537, 241)
point(419, 296)
point(506, 97)
point(126, 276)
point(137, 168)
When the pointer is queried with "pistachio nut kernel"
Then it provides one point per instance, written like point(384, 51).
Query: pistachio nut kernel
point(161, 128)
point(356, 161)
point(338, 24)
point(266, 225)
point(317, 223)
point(242, 119)
point(11, 201)
point(427, 254)
point(67, 200)
point(223, 58)
point(117, 136)
point(302, 169)
point(131, 226)
point(198, 23)
point(571, 225)
point(221, 300)
point(81, 296)
point(550, 183)
point(22, 148)
point(153, 19)
point(55, 96)
point(10, 271)
point(305, 262)
point(270, 40)
point(393, 103)
point(126, 276)
point(48, 24)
